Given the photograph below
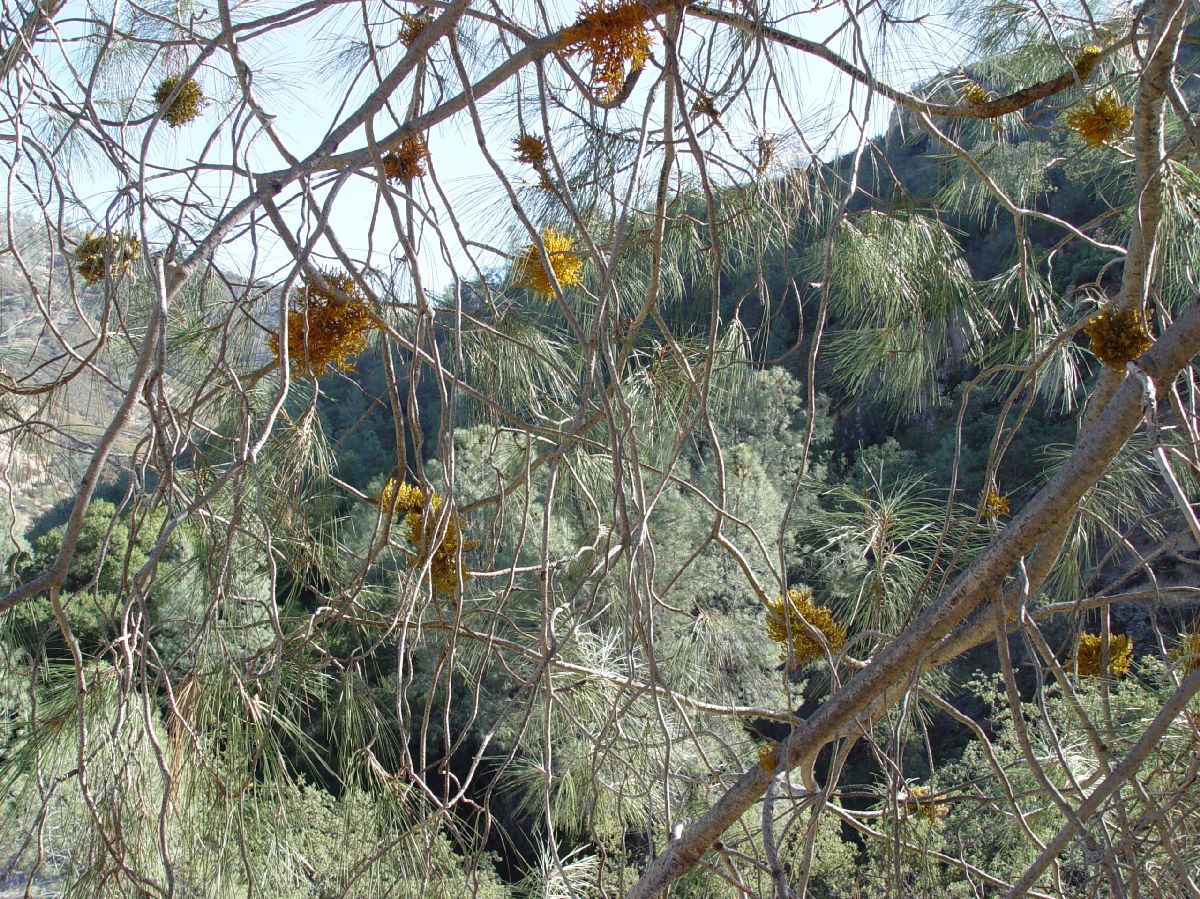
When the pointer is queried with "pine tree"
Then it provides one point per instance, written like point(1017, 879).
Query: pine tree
point(435, 461)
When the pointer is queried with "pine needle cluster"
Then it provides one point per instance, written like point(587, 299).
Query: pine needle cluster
point(612, 36)
point(1187, 653)
point(187, 103)
point(1087, 656)
point(567, 265)
point(1101, 120)
point(421, 512)
point(326, 325)
point(766, 147)
point(1118, 336)
point(407, 160)
point(100, 256)
point(804, 629)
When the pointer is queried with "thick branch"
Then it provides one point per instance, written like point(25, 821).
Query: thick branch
point(1053, 503)
point(57, 573)
point(1124, 770)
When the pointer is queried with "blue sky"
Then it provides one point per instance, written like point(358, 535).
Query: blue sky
point(295, 83)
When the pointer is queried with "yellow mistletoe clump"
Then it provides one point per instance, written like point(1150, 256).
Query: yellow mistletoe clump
point(1101, 120)
point(420, 529)
point(799, 625)
point(768, 756)
point(326, 325)
point(1086, 61)
point(100, 256)
point(411, 24)
point(186, 105)
point(399, 498)
point(1087, 656)
point(974, 93)
point(1187, 653)
point(918, 804)
point(567, 265)
point(1118, 336)
point(406, 161)
point(994, 506)
point(530, 149)
point(421, 512)
point(611, 35)
point(706, 105)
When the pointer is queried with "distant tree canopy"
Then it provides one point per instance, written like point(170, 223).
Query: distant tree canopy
point(637, 448)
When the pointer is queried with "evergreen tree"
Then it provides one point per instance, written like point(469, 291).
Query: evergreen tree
point(567, 453)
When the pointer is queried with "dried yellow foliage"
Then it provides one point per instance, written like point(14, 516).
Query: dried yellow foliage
point(420, 529)
point(529, 272)
point(1118, 336)
point(803, 628)
point(324, 328)
point(100, 256)
point(1087, 656)
point(407, 160)
point(186, 105)
point(1101, 120)
point(612, 36)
